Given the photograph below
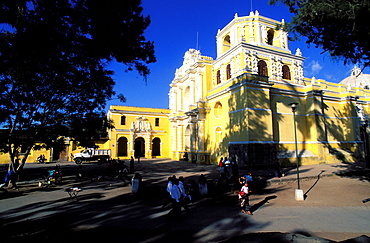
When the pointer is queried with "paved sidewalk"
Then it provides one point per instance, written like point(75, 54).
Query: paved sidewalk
point(322, 170)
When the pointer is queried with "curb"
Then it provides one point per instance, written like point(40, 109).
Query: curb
point(282, 180)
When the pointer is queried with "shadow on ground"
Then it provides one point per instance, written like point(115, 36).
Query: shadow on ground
point(107, 210)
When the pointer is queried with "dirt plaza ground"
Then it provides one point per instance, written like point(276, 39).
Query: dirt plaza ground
point(107, 209)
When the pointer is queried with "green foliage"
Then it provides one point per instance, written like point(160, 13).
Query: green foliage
point(121, 98)
point(339, 27)
point(53, 59)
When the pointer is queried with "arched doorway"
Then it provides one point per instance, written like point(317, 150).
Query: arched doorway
point(156, 149)
point(122, 146)
point(139, 147)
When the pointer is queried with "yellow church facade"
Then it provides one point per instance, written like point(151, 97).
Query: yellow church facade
point(239, 105)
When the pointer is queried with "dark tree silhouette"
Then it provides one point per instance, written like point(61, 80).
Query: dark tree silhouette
point(54, 79)
point(339, 27)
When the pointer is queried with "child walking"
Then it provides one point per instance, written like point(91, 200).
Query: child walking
point(244, 198)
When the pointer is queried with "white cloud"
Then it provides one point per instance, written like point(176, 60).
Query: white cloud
point(332, 78)
point(314, 67)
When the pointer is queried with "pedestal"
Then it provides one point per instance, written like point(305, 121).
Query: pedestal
point(299, 195)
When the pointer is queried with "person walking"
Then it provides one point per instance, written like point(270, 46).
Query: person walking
point(132, 163)
point(184, 196)
point(176, 196)
point(168, 189)
point(202, 185)
point(221, 166)
point(227, 164)
point(13, 175)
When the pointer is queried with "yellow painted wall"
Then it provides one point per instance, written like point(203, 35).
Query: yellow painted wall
point(132, 113)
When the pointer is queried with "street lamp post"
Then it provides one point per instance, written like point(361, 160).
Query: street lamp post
point(298, 192)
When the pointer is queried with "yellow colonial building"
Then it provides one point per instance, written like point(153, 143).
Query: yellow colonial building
point(239, 105)
point(139, 132)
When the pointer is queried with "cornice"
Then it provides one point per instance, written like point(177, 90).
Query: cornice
point(242, 83)
point(121, 112)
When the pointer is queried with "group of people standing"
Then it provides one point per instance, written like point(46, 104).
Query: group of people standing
point(177, 196)
point(228, 168)
point(13, 174)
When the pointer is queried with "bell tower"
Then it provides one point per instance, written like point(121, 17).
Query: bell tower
point(253, 44)
point(253, 29)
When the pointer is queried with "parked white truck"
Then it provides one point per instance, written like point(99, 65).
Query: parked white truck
point(92, 154)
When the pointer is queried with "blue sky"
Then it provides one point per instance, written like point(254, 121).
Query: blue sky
point(174, 28)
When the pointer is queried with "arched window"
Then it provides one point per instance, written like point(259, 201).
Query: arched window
point(226, 43)
point(218, 135)
point(186, 100)
point(218, 77)
point(123, 120)
point(228, 71)
point(270, 36)
point(286, 72)
point(218, 110)
point(262, 68)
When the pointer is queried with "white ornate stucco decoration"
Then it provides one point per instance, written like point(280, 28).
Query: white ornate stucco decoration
point(263, 34)
point(298, 52)
point(313, 80)
point(284, 39)
point(248, 60)
point(254, 62)
point(141, 125)
point(361, 113)
point(298, 72)
point(191, 57)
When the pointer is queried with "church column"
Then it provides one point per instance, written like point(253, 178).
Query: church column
point(193, 139)
point(179, 137)
point(172, 99)
point(173, 139)
point(192, 92)
point(148, 145)
point(318, 132)
point(233, 37)
point(254, 62)
point(132, 142)
point(356, 118)
point(203, 156)
point(200, 135)
point(251, 34)
point(179, 99)
point(259, 32)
